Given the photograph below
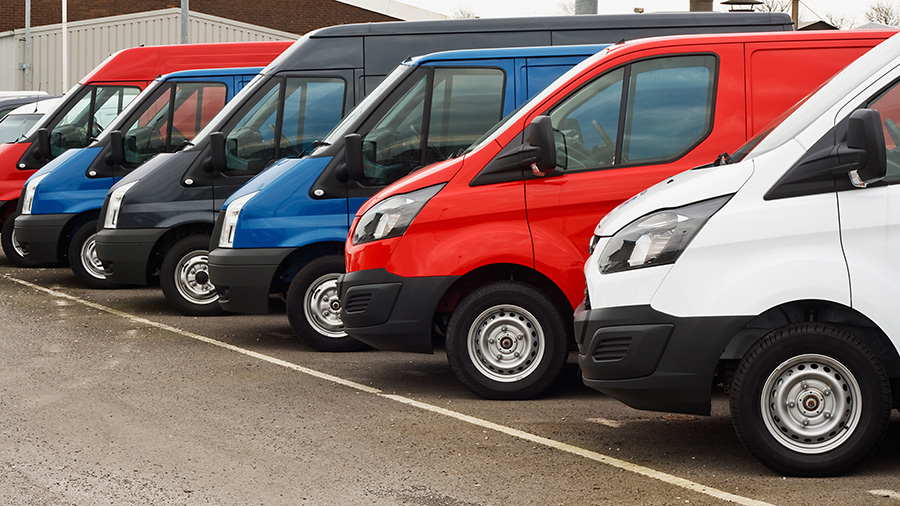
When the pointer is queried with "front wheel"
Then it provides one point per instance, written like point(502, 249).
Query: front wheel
point(83, 257)
point(313, 307)
point(507, 340)
point(810, 399)
point(184, 278)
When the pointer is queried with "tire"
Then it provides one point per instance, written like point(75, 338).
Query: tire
point(83, 257)
point(801, 366)
point(184, 278)
point(11, 248)
point(505, 365)
point(313, 308)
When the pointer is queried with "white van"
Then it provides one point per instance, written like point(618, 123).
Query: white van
point(774, 272)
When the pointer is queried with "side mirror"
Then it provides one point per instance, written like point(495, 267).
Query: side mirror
point(353, 157)
point(116, 148)
point(217, 152)
point(540, 142)
point(43, 143)
point(865, 139)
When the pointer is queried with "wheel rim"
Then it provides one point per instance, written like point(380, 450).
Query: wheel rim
point(506, 343)
point(811, 404)
point(322, 306)
point(89, 259)
point(192, 279)
point(15, 244)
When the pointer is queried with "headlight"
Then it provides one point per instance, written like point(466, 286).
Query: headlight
point(392, 216)
point(657, 238)
point(30, 188)
point(232, 212)
point(115, 204)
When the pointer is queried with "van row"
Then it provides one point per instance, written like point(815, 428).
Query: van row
point(741, 174)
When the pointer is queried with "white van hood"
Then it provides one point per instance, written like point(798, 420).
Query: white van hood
point(685, 188)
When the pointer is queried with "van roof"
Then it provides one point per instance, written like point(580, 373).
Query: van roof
point(544, 23)
point(146, 63)
point(237, 71)
point(507, 52)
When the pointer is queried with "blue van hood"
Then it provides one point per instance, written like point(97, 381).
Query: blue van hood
point(284, 172)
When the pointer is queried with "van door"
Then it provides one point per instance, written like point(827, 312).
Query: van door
point(287, 116)
point(870, 228)
point(621, 132)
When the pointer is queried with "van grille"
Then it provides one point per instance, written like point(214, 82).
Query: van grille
point(613, 348)
point(357, 302)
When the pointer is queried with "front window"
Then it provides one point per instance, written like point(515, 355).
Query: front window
point(174, 114)
point(289, 116)
point(442, 113)
point(89, 115)
point(652, 111)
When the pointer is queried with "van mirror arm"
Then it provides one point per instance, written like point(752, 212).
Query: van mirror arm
point(43, 143)
point(216, 152)
point(116, 148)
point(353, 157)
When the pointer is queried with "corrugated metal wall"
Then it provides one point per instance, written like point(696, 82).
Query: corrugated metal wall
point(91, 41)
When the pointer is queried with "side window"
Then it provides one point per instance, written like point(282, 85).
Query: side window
point(586, 124)
point(88, 116)
point(171, 118)
point(268, 129)
point(670, 103)
point(464, 103)
point(888, 106)
point(668, 108)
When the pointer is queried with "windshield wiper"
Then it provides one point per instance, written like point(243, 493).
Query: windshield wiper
point(723, 159)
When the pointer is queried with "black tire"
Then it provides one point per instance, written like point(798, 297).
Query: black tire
point(184, 278)
point(311, 309)
point(83, 257)
point(11, 248)
point(801, 366)
point(507, 311)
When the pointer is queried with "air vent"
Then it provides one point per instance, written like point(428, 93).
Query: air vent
point(612, 349)
point(357, 302)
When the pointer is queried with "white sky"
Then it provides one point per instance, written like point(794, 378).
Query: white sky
point(852, 9)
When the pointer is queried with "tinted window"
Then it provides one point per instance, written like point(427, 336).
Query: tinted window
point(668, 110)
point(89, 115)
point(888, 106)
point(175, 114)
point(305, 108)
point(464, 103)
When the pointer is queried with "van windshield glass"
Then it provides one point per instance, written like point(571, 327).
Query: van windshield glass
point(88, 115)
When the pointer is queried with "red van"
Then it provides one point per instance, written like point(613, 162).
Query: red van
point(488, 248)
point(98, 98)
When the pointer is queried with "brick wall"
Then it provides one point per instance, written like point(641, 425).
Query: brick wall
point(294, 16)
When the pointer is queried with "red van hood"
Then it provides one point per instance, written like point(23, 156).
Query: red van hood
point(433, 174)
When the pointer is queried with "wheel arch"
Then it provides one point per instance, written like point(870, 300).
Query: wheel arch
point(499, 272)
point(300, 257)
point(820, 311)
point(74, 223)
point(172, 236)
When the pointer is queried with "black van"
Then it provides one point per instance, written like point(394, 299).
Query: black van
point(159, 218)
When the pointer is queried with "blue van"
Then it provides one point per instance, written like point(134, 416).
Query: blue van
point(284, 231)
point(62, 200)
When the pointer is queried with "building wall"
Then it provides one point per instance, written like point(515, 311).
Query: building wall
point(90, 42)
point(294, 16)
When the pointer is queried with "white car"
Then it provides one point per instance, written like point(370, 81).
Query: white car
point(775, 272)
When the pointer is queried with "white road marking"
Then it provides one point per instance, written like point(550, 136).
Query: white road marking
point(526, 436)
point(886, 493)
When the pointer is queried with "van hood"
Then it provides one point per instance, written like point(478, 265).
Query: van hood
point(436, 173)
point(690, 186)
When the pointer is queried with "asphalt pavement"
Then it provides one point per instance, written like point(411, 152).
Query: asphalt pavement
point(110, 397)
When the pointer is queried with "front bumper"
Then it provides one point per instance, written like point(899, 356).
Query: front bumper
point(651, 360)
point(40, 236)
point(125, 253)
point(243, 277)
point(391, 312)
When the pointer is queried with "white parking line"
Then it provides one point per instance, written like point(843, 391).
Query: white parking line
point(591, 455)
point(886, 493)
